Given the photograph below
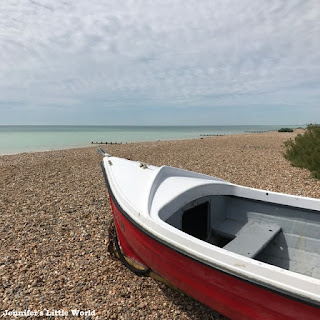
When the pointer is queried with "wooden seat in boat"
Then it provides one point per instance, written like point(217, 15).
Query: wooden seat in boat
point(249, 239)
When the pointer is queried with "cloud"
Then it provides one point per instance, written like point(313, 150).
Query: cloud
point(131, 54)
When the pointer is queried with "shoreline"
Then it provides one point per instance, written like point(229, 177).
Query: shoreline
point(40, 151)
point(21, 140)
point(97, 144)
point(55, 216)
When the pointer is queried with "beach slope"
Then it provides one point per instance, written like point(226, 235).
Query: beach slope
point(54, 217)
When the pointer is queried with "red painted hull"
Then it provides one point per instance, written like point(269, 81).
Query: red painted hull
point(236, 298)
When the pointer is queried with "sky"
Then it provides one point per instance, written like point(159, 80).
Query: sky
point(159, 62)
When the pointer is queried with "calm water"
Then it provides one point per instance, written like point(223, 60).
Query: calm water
point(17, 139)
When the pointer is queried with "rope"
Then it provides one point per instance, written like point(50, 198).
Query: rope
point(113, 245)
point(139, 272)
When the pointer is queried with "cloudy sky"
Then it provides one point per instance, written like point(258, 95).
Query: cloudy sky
point(166, 62)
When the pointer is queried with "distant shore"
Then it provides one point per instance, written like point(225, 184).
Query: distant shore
point(55, 215)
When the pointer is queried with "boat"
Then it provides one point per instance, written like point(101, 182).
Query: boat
point(244, 252)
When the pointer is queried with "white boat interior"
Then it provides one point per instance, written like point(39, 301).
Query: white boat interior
point(280, 235)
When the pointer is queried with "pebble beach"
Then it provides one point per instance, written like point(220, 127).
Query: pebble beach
point(54, 218)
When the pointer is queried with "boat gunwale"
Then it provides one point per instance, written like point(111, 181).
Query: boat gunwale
point(285, 293)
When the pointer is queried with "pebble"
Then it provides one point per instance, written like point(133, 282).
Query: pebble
point(55, 216)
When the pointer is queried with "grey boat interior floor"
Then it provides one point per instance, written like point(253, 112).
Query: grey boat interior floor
point(284, 236)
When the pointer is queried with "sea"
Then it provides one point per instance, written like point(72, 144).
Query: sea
point(32, 138)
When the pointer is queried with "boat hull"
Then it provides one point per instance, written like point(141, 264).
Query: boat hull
point(228, 294)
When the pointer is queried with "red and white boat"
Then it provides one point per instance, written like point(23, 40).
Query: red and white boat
point(247, 253)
